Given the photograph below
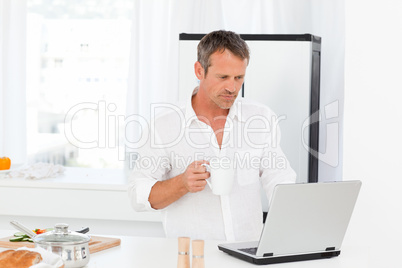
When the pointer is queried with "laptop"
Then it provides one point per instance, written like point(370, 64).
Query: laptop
point(305, 221)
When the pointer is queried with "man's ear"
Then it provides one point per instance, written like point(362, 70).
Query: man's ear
point(199, 71)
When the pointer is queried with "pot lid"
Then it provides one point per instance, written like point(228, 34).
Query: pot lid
point(61, 235)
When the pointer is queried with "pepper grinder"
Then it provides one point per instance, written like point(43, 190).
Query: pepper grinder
point(198, 254)
point(183, 257)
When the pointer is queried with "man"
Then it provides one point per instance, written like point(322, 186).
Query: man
point(213, 126)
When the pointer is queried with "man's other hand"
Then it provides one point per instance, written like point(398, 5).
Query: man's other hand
point(194, 178)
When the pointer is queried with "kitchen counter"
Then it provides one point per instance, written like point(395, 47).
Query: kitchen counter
point(75, 178)
point(95, 197)
point(78, 193)
point(372, 240)
point(150, 252)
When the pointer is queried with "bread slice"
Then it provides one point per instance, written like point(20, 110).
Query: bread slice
point(19, 258)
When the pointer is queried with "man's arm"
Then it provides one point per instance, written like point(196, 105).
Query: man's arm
point(164, 193)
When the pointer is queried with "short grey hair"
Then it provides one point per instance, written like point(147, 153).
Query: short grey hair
point(219, 41)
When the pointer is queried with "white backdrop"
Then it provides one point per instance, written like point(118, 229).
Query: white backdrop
point(155, 43)
point(12, 80)
point(373, 114)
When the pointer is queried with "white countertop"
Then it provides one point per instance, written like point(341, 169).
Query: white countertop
point(162, 252)
point(373, 240)
point(75, 178)
point(83, 193)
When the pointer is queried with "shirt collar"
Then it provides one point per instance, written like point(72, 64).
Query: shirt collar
point(234, 112)
point(190, 113)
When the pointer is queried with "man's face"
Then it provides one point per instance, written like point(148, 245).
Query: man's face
point(224, 79)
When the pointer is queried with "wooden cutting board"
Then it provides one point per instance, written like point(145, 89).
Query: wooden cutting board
point(96, 244)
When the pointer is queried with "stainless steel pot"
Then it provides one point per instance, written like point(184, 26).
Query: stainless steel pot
point(71, 246)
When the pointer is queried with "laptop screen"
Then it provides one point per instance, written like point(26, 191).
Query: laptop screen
point(308, 217)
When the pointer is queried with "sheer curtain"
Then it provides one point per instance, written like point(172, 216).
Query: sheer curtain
point(12, 80)
point(155, 50)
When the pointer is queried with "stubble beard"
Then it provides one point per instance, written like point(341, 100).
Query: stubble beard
point(224, 104)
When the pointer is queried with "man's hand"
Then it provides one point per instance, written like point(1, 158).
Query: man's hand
point(164, 193)
point(194, 178)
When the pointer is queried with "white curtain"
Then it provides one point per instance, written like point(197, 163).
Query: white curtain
point(12, 80)
point(155, 50)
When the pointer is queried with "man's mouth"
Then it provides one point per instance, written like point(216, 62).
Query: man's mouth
point(228, 97)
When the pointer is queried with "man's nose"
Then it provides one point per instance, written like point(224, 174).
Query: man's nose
point(231, 86)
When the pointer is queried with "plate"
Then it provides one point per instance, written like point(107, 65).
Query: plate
point(14, 167)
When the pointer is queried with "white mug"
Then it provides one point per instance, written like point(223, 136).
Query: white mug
point(221, 179)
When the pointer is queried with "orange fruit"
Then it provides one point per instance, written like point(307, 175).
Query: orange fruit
point(5, 163)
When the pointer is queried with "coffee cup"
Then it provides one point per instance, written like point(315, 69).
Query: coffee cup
point(221, 179)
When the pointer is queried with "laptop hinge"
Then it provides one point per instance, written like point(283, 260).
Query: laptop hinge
point(330, 248)
point(268, 254)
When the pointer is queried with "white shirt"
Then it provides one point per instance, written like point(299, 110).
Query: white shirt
point(177, 137)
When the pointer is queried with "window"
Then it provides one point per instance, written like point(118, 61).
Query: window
point(77, 56)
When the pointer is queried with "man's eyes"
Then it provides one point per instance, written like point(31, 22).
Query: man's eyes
point(237, 77)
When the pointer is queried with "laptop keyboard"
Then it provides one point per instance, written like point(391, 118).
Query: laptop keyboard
point(251, 251)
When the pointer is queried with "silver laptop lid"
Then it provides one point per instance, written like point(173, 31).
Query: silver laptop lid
point(308, 217)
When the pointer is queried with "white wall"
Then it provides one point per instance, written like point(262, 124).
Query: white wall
point(372, 116)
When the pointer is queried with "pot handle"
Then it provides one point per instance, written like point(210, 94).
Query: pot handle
point(23, 229)
point(83, 230)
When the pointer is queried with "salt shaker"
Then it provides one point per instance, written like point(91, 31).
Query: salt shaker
point(183, 257)
point(198, 254)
